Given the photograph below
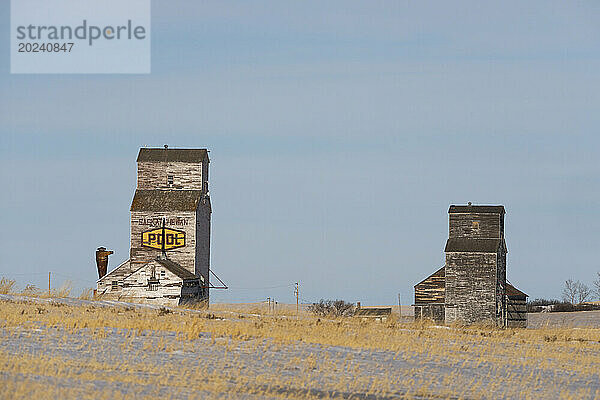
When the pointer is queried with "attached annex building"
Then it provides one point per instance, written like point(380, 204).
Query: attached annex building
point(169, 257)
point(472, 287)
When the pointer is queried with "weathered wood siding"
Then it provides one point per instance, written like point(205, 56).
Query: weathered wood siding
point(153, 175)
point(501, 287)
point(432, 311)
point(193, 294)
point(517, 312)
point(430, 297)
point(146, 220)
point(476, 226)
point(170, 290)
point(471, 284)
point(203, 214)
point(116, 275)
point(516, 307)
point(432, 289)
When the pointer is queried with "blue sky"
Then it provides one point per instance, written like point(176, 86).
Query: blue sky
point(339, 134)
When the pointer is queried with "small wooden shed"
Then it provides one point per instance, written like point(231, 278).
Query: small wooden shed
point(373, 313)
point(516, 306)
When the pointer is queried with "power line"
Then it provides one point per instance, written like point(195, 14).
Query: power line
point(262, 288)
point(74, 280)
point(66, 277)
point(27, 274)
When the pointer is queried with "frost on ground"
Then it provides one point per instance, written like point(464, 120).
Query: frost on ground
point(72, 349)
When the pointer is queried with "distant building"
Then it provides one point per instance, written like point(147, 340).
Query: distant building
point(380, 314)
point(169, 256)
point(471, 287)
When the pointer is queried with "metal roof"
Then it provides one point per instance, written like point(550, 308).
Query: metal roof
point(165, 200)
point(513, 291)
point(172, 155)
point(462, 209)
point(459, 245)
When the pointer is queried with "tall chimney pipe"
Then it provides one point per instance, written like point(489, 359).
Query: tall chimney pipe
point(102, 261)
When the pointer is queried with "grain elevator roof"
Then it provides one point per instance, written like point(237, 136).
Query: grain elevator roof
point(476, 209)
point(166, 200)
point(176, 269)
point(461, 245)
point(172, 155)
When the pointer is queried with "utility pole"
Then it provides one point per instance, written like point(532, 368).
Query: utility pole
point(49, 283)
point(297, 293)
point(399, 306)
point(268, 305)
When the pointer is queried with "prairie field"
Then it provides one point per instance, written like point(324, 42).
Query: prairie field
point(73, 348)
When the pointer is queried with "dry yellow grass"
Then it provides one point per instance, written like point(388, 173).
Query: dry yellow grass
point(87, 294)
point(518, 363)
point(281, 309)
point(8, 286)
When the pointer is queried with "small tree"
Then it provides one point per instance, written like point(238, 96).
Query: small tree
point(570, 291)
point(583, 292)
point(597, 286)
point(576, 292)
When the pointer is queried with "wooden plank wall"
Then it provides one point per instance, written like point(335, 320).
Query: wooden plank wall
point(202, 255)
point(517, 312)
point(461, 225)
point(430, 311)
point(146, 220)
point(117, 274)
point(432, 289)
point(153, 175)
point(471, 287)
point(134, 288)
point(501, 287)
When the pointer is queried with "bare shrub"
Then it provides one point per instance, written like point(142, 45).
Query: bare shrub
point(63, 291)
point(332, 308)
point(164, 311)
point(87, 294)
point(6, 286)
point(32, 291)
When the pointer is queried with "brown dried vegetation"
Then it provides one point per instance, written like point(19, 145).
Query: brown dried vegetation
point(543, 355)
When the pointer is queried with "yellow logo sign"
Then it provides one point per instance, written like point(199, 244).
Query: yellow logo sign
point(163, 238)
